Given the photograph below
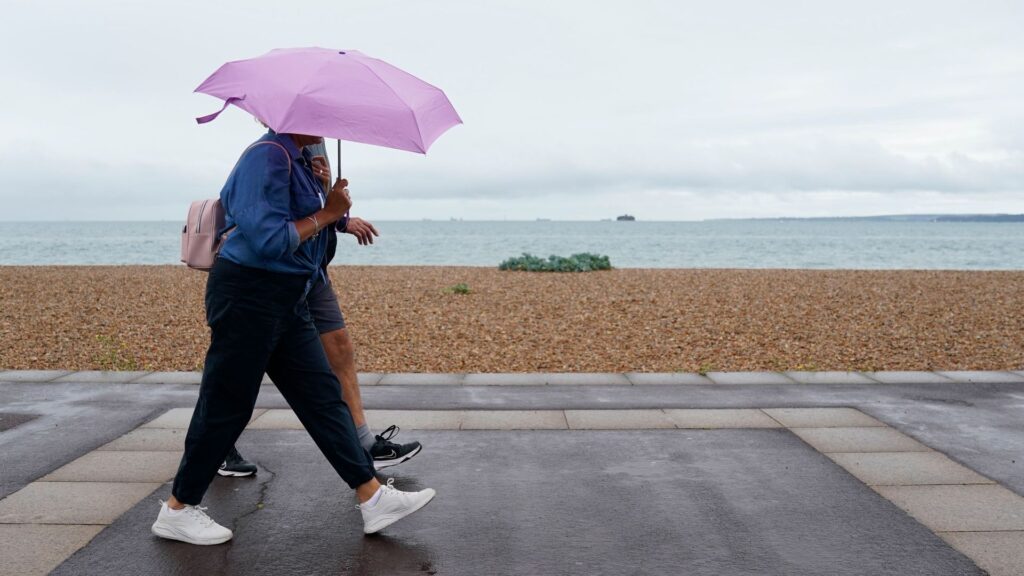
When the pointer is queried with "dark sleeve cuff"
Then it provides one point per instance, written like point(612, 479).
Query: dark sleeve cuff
point(293, 237)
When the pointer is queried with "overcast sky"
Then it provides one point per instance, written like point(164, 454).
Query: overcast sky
point(573, 109)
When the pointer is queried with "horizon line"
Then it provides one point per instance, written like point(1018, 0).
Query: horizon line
point(541, 219)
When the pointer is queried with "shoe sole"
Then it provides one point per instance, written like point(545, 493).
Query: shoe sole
point(172, 534)
point(388, 521)
point(381, 464)
point(233, 474)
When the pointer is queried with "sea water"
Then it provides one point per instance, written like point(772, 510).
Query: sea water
point(857, 244)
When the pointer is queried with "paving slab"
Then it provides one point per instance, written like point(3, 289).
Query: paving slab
point(72, 502)
point(181, 417)
point(830, 378)
point(173, 418)
point(36, 549)
point(908, 377)
point(999, 553)
point(108, 376)
point(32, 375)
point(859, 440)
point(906, 468)
point(171, 378)
point(821, 417)
point(421, 379)
point(617, 419)
point(118, 466)
point(978, 508)
point(979, 377)
point(415, 419)
point(514, 420)
point(668, 379)
point(276, 419)
point(720, 418)
point(149, 439)
point(771, 378)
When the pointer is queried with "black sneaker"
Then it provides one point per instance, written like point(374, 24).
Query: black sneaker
point(236, 466)
point(387, 453)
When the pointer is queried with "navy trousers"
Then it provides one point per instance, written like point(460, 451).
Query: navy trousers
point(259, 323)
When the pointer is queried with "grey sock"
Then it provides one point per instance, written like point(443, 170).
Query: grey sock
point(365, 436)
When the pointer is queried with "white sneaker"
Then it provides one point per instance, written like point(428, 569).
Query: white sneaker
point(190, 524)
point(391, 506)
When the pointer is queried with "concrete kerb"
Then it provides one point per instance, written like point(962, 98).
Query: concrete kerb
point(981, 377)
point(170, 378)
point(668, 379)
point(909, 377)
point(741, 378)
point(830, 378)
point(32, 375)
point(102, 376)
point(789, 378)
point(421, 379)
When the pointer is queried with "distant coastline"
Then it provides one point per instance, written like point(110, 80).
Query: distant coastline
point(865, 243)
point(628, 217)
point(891, 218)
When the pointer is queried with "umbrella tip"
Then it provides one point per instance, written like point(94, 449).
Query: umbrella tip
point(341, 51)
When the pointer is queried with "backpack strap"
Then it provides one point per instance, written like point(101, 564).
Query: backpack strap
point(227, 232)
point(278, 144)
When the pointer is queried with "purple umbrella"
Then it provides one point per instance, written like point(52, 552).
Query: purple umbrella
point(341, 94)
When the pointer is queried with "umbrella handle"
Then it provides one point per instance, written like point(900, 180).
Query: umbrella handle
point(339, 159)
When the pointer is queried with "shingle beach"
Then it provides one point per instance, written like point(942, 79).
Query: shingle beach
point(404, 320)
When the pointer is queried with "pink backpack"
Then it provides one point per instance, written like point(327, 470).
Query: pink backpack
point(200, 242)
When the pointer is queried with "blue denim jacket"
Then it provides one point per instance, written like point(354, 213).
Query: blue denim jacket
point(264, 202)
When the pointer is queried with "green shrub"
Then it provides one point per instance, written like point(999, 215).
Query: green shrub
point(585, 262)
point(461, 288)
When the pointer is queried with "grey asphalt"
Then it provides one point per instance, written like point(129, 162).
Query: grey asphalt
point(566, 502)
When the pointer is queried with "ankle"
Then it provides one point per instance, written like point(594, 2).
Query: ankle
point(175, 504)
point(364, 492)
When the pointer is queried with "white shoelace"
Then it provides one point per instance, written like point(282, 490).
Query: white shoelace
point(199, 514)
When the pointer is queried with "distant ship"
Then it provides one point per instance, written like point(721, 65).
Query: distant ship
point(626, 218)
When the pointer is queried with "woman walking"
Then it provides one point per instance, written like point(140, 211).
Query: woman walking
point(255, 307)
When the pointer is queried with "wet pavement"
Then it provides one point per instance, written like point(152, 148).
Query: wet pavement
point(544, 502)
point(743, 500)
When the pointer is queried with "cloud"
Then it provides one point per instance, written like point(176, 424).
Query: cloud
point(666, 99)
point(777, 168)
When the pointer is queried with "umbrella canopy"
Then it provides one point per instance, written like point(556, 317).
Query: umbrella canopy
point(341, 94)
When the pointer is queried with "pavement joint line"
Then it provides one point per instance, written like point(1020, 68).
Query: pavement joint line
point(869, 377)
point(819, 413)
point(781, 425)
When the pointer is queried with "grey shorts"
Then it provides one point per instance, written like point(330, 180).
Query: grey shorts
point(324, 308)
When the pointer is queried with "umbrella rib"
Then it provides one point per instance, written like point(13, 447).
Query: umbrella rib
point(415, 120)
point(305, 84)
